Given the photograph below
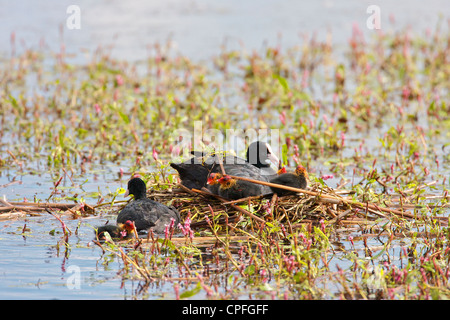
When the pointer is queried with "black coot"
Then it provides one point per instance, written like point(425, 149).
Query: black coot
point(297, 179)
point(144, 212)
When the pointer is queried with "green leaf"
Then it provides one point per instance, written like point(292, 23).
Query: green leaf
point(269, 224)
point(283, 82)
point(379, 253)
point(284, 151)
point(190, 293)
point(250, 270)
point(124, 117)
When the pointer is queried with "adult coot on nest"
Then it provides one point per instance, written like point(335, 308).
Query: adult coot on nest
point(144, 212)
point(297, 179)
point(195, 171)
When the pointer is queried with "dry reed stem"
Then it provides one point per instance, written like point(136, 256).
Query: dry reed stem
point(200, 240)
point(329, 198)
point(36, 206)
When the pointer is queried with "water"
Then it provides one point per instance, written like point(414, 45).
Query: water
point(198, 28)
point(34, 264)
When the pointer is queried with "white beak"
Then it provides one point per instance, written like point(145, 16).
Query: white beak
point(272, 157)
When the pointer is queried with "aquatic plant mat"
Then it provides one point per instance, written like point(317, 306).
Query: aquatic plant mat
point(271, 243)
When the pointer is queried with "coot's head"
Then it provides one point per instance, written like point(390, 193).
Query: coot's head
point(213, 178)
point(128, 226)
point(260, 155)
point(128, 229)
point(137, 187)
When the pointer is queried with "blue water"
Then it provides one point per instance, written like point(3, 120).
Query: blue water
point(37, 265)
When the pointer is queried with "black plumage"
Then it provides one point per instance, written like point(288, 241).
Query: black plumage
point(233, 189)
point(297, 179)
point(195, 171)
point(122, 231)
point(192, 175)
point(260, 155)
point(146, 213)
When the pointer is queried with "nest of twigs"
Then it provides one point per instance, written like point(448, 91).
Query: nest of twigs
point(319, 203)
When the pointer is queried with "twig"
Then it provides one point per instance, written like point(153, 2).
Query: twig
point(6, 203)
point(200, 240)
point(342, 215)
point(269, 184)
point(245, 199)
point(11, 183)
point(33, 207)
point(221, 164)
point(43, 205)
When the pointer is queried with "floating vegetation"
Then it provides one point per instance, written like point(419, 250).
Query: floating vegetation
point(274, 244)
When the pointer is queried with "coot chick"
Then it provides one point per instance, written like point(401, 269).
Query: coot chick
point(213, 182)
point(297, 179)
point(121, 231)
point(144, 212)
point(234, 189)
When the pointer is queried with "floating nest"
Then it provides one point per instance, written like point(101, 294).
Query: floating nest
point(318, 204)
